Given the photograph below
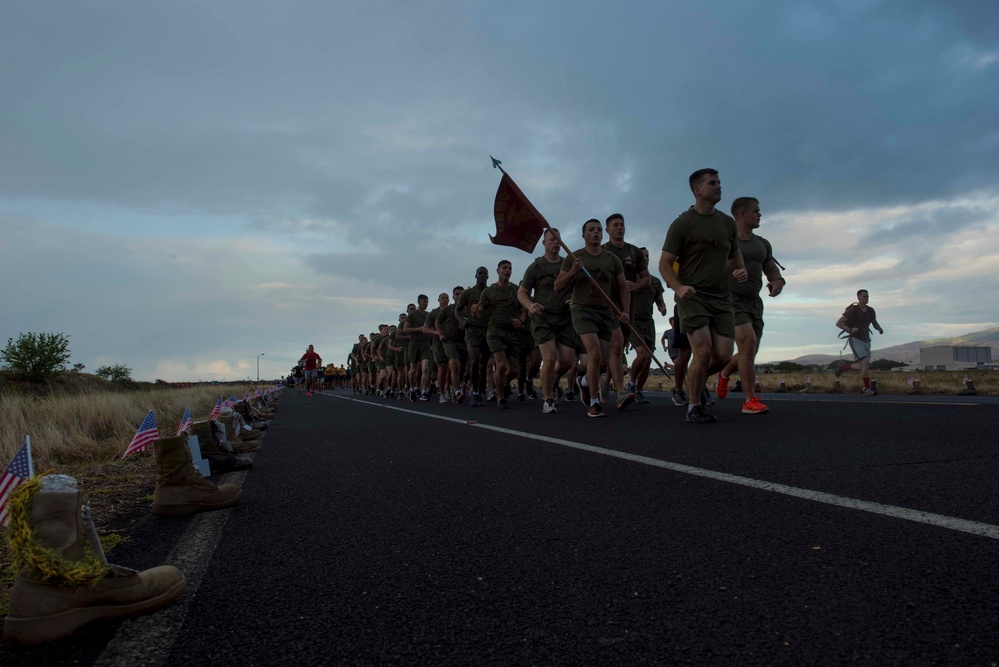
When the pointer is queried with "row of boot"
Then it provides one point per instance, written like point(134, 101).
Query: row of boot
point(64, 580)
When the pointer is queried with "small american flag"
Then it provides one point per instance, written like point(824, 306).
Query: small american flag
point(20, 469)
point(185, 422)
point(230, 402)
point(146, 434)
point(216, 410)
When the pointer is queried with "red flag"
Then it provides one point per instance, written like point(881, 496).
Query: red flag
point(518, 223)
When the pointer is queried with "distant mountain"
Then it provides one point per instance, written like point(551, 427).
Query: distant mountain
point(908, 353)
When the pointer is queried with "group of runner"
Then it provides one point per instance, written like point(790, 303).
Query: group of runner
point(575, 316)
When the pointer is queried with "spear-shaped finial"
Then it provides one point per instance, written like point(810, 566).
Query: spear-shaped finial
point(496, 163)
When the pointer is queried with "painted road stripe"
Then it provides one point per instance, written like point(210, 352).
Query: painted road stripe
point(938, 520)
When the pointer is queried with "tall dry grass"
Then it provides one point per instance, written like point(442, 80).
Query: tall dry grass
point(95, 426)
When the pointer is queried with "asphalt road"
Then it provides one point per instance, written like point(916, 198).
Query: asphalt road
point(834, 530)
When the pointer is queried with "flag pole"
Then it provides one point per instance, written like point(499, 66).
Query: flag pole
point(572, 256)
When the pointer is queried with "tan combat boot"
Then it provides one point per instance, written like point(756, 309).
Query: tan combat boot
point(218, 451)
point(60, 587)
point(180, 488)
point(242, 443)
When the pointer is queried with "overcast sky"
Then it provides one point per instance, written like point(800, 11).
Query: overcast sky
point(185, 185)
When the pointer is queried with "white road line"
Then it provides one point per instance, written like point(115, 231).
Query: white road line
point(938, 520)
point(149, 640)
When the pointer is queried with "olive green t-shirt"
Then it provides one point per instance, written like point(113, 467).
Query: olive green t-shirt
point(703, 245)
point(432, 318)
point(540, 277)
point(449, 323)
point(643, 301)
point(604, 268)
point(468, 297)
point(415, 320)
point(500, 305)
point(634, 262)
point(755, 253)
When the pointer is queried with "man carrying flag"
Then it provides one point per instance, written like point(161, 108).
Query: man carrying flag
point(592, 317)
point(146, 434)
point(19, 469)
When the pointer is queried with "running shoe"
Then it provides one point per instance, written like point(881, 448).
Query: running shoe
point(569, 397)
point(442, 399)
point(596, 410)
point(626, 401)
point(840, 367)
point(501, 404)
point(697, 415)
point(532, 393)
point(584, 392)
point(680, 397)
point(722, 387)
point(706, 397)
point(549, 407)
point(476, 401)
point(867, 391)
point(631, 388)
point(521, 398)
point(424, 398)
point(459, 397)
point(754, 407)
point(308, 393)
point(491, 397)
point(640, 398)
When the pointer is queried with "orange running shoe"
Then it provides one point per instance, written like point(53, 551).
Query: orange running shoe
point(721, 389)
point(754, 407)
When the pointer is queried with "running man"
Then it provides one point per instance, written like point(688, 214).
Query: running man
point(705, 242)
point(499, 306)
point(592, 317)
point(856, 321)
point(644, 323)
point(474, 327)
point(747, 306)
point(310, 362)
point(551, 322)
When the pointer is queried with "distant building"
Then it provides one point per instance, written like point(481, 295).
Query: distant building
point(950, 358)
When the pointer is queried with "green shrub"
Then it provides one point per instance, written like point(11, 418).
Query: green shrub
point(37, 356)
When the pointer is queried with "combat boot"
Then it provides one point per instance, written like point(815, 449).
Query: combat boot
point(251, 420)
point(180, 488)
point(218, 451)
point(240, 444)
point(60, 585)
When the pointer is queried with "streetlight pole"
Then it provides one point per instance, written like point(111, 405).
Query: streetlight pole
point(258, 365)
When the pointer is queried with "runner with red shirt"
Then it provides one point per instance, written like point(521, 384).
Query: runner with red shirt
point(310, 362)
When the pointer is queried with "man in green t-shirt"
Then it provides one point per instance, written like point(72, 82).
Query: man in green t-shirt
point(636, 275)
point(551, 322)
point(592, 317)
point(437, 345)
point(499, 306)
point(475, 334)
point(704, 241)
point(453, 339)
point(747, 306)
point(418, 351)
point(644, 323)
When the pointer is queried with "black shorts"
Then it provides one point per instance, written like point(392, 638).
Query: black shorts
point(680, 340)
